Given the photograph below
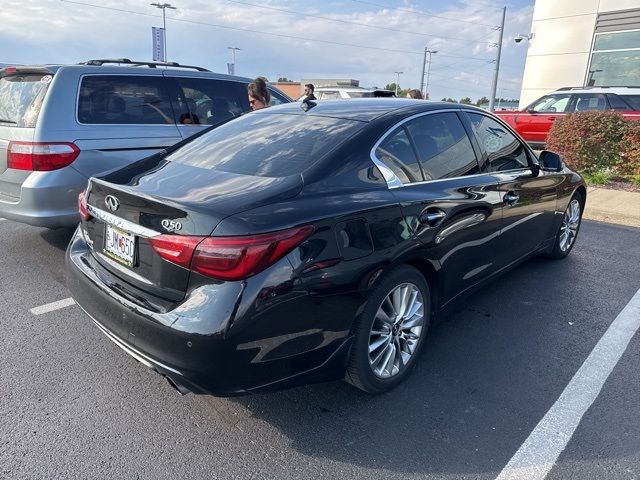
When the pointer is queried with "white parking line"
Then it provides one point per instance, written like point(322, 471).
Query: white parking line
point(537, 455)
point(50, 307)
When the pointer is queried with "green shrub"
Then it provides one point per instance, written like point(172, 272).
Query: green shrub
point(589, 142)
point(635, 179)
point(598, 178)
point(629, 161)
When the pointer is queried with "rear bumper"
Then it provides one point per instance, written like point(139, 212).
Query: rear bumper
point(43, 199)
point(202, 344)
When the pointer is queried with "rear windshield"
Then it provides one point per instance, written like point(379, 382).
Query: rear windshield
point(633, 100)
point(267, 145)
point(21, 98)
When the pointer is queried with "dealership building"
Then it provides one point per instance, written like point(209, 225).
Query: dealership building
point(581, 43)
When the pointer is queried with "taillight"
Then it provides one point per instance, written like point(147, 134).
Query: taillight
point(82, 206)
point(41, 156)
point(229, 258)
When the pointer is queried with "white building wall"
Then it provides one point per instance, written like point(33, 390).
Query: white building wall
point(558, 54)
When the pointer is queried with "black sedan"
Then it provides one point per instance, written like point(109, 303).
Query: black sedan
point(297, 245)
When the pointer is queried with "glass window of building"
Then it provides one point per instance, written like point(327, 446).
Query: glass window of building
point(615, 60)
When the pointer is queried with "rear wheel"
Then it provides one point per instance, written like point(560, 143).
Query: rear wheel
point(568, 231)
point(390, 331)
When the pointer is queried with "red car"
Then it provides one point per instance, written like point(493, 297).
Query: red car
point(534, 122)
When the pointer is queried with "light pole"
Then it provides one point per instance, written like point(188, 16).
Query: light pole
point(494, 85)
point(164, 6)
point(233, 59)
point(397, 80)
point(424, 62)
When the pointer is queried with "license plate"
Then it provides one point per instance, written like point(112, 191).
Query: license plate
point(119, 245)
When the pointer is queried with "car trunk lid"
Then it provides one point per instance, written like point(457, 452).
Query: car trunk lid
point(157, 197)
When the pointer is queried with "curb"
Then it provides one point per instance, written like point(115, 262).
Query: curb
point(613, 206)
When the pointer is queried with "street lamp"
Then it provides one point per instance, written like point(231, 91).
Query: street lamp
point(397, 80)
point(424, 62)
point(232, 70)
point(164, 6)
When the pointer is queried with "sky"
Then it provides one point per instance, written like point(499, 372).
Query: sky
point(367, 40)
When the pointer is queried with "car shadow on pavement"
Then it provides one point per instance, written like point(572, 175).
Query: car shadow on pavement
point(59, 237)
point(486, 377)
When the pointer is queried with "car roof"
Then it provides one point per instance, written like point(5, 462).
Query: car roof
point(128, 69)
point(616, 90)
point(363, 109)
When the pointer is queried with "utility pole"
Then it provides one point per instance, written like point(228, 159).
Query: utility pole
point(494, 85)
point(397, 80)
point(424, 88)
point(164, 6)
point(232, 71)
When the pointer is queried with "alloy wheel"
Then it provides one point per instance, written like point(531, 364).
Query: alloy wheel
point(396, 330)
point(570, 225)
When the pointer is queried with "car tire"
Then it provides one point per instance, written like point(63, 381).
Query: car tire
point(569, 228)
point(390, 331)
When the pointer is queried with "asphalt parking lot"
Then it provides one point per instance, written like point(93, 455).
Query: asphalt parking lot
point(73, 405)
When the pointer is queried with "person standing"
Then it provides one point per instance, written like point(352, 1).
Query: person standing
point(308, 91)
point(414, 93)
point(259, 96)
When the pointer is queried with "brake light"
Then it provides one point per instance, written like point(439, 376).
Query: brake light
point(82, 206)
point(177, 249)
point(41, 156)
point(229, 258)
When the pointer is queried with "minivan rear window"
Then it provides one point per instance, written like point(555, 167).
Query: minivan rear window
point(124, 99)
point(21, 97)
point(633, 100)
point(267, 145)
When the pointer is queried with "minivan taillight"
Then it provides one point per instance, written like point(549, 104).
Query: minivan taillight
point(229, 258)
point(41, 156)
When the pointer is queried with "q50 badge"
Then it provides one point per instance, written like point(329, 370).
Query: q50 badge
point(171, 225)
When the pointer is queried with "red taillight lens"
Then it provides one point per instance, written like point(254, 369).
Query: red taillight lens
point(42, 157)
point(176, 248)
point(82, 206)
point(229, 258)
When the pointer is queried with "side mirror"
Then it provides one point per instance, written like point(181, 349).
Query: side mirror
point(550, 161)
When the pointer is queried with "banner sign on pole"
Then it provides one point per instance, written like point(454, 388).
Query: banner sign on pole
point(231, 68)
point(158, 43)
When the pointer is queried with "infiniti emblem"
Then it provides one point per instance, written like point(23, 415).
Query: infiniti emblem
point(112, 203)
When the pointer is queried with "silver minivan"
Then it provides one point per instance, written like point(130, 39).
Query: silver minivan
point(61, 124)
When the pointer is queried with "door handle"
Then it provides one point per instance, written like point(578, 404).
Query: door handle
point(433, 217)
point(510, 198)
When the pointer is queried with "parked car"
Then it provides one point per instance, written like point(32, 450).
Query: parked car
point(290, 246)
point(333, 93)
point(61, 124)
point(534, 122)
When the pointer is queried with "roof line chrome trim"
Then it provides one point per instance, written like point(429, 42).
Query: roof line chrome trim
point(392, 180)
point(122, 223)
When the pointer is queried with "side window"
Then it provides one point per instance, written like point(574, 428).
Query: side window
point(504, 151)
point(443, 146)
point(589, 101)
point(397, 154)
point(208, 102)
point(616, 102)
point(120, 99)
point(276, 98)
point(551, 104)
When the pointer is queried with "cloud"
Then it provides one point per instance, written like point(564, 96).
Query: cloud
point(393, 39)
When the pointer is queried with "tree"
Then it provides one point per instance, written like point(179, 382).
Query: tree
point(466, 101)
point(283, 79)
point(482, 100)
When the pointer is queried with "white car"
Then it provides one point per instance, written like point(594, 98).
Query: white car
point(330, 93)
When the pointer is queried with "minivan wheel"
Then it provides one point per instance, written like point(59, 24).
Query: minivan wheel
point(390, 332)
point(568, 231)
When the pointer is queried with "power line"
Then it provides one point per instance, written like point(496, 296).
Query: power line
point(350, 22)
point(417, 12)
point(280, 35)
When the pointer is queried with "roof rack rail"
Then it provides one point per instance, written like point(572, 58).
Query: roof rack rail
point(589, 87)
point(100, 62)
